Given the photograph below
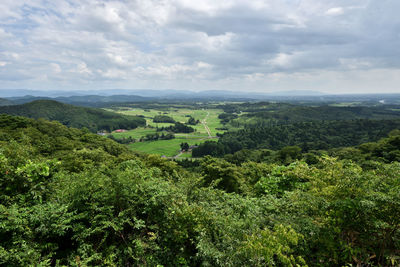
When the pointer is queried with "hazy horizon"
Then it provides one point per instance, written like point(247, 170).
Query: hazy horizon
point(339, 47)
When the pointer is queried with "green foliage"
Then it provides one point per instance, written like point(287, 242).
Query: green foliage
point(385, 150)
point(178, 128)
point(226, 117)
point(209, 148)
point(192, 121)
point(229, 230)
point(271, 248)
point(346, 204)
point(221, 174)
point(282, 179)
point(184, 146)
point(163, 118)
point(289, 153)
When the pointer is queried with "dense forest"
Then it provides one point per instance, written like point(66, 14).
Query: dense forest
point(74, 116)
point(307, 135)
point(70, 197)
point(307, 113)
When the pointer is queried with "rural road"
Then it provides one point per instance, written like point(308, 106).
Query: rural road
point(177, 156)
point(204, 122)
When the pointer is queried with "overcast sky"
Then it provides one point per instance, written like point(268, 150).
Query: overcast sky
point(336, 46)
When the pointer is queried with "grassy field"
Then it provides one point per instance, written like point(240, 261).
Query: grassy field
point(185, 155)
point(136, 133)
point(346, 104)
point(180, 115)
point(170, 148)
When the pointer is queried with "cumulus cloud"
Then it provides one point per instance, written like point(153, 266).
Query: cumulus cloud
point(233, 44)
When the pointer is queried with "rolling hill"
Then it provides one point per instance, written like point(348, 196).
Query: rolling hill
point(73, 116)
point(5, 102)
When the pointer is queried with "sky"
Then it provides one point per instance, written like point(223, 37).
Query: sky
point(336, 46)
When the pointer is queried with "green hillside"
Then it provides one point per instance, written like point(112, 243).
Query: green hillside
point(73, 198)
point(5, 102)
point(74, 116)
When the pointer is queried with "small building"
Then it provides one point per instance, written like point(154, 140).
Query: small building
point(120, 131)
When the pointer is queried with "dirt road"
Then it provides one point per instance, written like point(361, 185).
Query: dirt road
point(204, 122)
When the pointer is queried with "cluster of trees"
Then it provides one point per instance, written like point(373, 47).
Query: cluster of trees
point(178, 127)
point(226, 117)
point(386, 150)
point(123, 140)
point(163, 118)
point(157, 136)
point(192, 121)
point(148, 137)
point(184, 146)
point(74, 116)
point(69, 197)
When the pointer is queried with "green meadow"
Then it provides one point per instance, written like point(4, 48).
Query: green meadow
point(136, 133)
point(207, 117)
point(168, 148)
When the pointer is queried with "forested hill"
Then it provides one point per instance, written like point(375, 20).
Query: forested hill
point(77, 149)
point(306, 113)
point(265, 112)
point(307, 135)
point(5, 102)
point(73, 116)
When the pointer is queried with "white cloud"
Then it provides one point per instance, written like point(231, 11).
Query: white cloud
point(114, 74)
point(200, 44)
point(82, 68)
point(335, 11)
point(210, 7)
point(281, 60)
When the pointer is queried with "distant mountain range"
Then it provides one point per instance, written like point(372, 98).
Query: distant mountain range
point(84, 100)
point(101, 98)
point(169, 93)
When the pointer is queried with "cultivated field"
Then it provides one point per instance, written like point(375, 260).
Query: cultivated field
point(205, 130)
